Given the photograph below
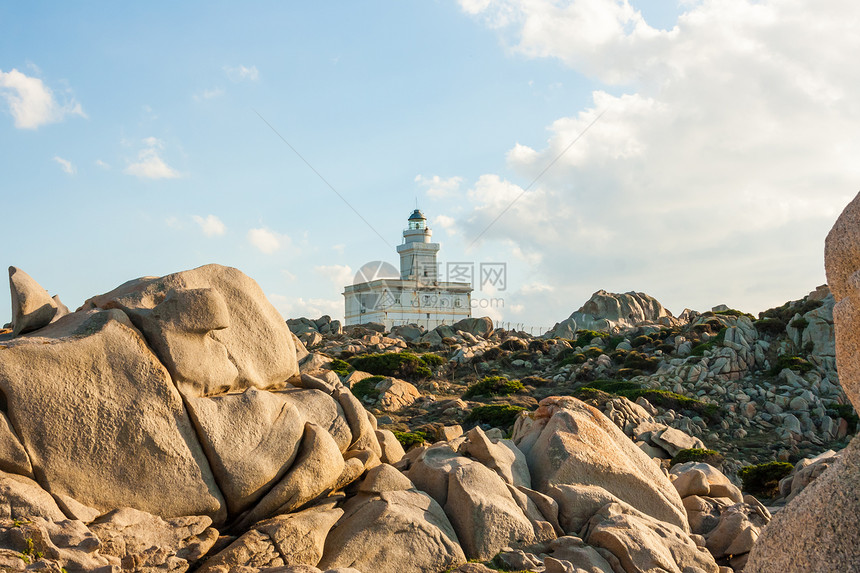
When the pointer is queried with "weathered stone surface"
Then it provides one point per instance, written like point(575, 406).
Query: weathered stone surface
point(673, 441)
point(403, 531)
point(392, 450)
point(54, 545)
point(395, 394)
point(207, 325)
point(569, 442)
point(643, 544)
point(320, 408)
point(22, 497)
point(819, 530)
point(482, 326)
point(384, 478)
point(102, 421)
point(145, 541)
point(737, 531)
point(13, 457)
point(502, 456)
point(250, 440)
point(570, 553)
point(605, 311)
point(32, 306)
point(316, 469)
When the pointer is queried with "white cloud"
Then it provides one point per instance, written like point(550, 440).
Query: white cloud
point(447, 223)
point(173, 222)
point(209, 94)
point(210, 225)
point(65, 165)
point(436, 187)
point(149, 163)
point(102, 164)
point(338, 275)
point(267, 241)
point(732, 151)
point(242, 73)
point(32, 103)
point(308, 308)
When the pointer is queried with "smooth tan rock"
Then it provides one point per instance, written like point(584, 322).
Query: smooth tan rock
point(142, 540)
point(431, 469)
point(22, 497)
point(718, 484)
point(395, 394)
point(384, 478)
point(392, 450)
point(819, 530)
point(252, 551)
point(503, 457)
point(577, 503)
point(204, 310)
point(13, 457)
point(570, 442)
point(55, 545)
point(737, 531)
point(320, 408)
point(316, 469)
point(75, 509)
point(363, 433)
point(643, 544)
point(570, 553)
point(102, 421)
point(300, 537)
point(483, 512)
point(301, 350)
point(32, 306)
point(403, 531)
point(842, 263)
point(250, 439)
point(693, 482)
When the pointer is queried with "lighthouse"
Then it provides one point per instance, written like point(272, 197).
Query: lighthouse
point(417, 296)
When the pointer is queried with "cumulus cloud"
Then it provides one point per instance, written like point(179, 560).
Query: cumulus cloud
point(149, 164)
point(210, 225)
point(267, 241)
point(727, 143)
point(242, 73)
point(32, 103)
point(307, 307)
point(338, 275)
point(102, 164)
point(65, 165)
point(209, 94)
point(437, 187)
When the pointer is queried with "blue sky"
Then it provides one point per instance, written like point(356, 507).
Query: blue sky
point(131, 145)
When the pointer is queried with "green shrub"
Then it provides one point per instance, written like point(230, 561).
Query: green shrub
point(846, 411)
point(341, 367)
point(613, 386)
point(763, 479)
point(799, 323)
point(366, 389)
point(494, 386)
point(618, 355)
point(795, 363)
point(666, 348)
point(789, 309)
point(584, 337)
point(398, 364)
point(612, 342)
point(592, 352)
point(628, 372)
point(709, 457)
point(578, 358)
point(733, 312)
point(772, 326)
point(641, 341)
point(432, 360)
point(699, 350)
point(640, 361)
point(496, 415)
point(409, 439)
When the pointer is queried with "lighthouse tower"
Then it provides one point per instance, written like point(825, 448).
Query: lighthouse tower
point(417, 253)
point(418, 296)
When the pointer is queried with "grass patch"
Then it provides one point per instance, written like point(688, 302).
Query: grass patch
point(770, 325)
point(494, 386)
point(795, 363)
point(789, 309)
point(366, 389)
point(584, 336)
point(613, 386)
point(496, 415)
point(660, 398)
point(578, 358)
point(799, 323)
point(409, 439)
point(641, 361)
point(341, 367)
point(403, 365)
point(763, 479)
point(432, 360)
point(709, 457)
point(734, 312)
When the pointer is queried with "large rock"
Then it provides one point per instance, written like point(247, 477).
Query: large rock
point(250, 439)
point(643, 544)
point(482, 326)
point(398, 530)
point(820, 529)
point(32, 306)
point(609, 311)
point(145, 542)
point(567, 442)
point(22, 497)
point(102, 421)
point(13, 457)
point(842, 262)
point(212, 327)
point(564, 329)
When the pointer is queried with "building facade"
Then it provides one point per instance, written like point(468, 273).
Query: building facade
point(417, 297)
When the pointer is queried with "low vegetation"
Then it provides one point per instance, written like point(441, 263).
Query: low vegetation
point(493, 386)
point(763, 479)
point(409, 439)
point(366, 389)
point(403, 365)
point(710, 457)
point(496, 415)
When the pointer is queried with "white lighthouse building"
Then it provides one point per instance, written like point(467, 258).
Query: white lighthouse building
point(417, 297)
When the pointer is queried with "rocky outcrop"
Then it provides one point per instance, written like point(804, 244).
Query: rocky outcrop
point(608, 312)
point(32, 306)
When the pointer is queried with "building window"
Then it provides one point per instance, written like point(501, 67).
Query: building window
point(428, 315)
